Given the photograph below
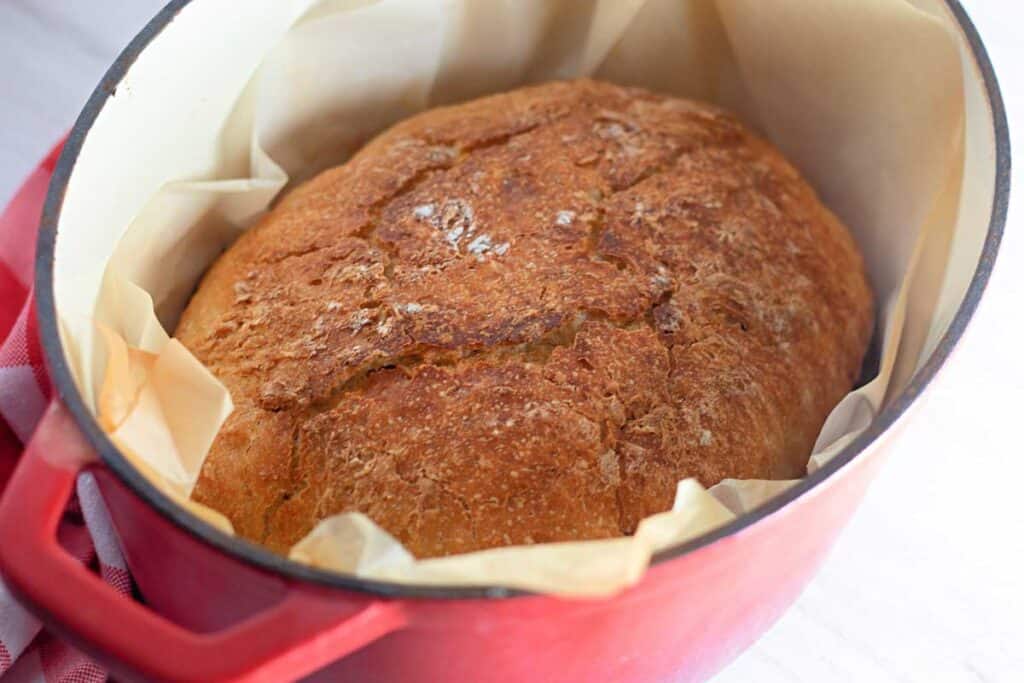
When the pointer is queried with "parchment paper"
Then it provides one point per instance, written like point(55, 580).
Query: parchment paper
point(864, 96)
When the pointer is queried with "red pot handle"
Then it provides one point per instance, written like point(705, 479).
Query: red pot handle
point(289, 640)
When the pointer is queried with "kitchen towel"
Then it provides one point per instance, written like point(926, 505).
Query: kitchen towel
point(27, 652)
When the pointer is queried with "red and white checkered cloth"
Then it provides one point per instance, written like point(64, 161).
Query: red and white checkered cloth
point(27, 651)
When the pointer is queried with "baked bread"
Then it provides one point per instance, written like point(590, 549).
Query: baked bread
point(525, 319)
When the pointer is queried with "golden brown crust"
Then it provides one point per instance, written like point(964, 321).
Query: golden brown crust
point(524, 319)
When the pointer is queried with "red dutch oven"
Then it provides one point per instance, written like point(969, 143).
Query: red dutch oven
point(219, 608)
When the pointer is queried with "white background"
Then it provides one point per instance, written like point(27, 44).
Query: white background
point(927, 588)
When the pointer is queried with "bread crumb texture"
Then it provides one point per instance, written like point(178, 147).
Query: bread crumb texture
point(523, 319)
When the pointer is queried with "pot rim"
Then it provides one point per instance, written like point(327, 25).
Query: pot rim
point(253, 554)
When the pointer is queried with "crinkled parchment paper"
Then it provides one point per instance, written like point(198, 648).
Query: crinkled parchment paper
point(864, 96)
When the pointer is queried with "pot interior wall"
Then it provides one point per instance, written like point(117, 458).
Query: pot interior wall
point(164, 121)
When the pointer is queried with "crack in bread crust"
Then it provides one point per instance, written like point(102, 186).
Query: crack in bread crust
point(524, 319)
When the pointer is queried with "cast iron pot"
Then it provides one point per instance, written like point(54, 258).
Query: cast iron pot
point(219, 608)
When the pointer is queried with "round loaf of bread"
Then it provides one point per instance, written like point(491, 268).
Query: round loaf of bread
point(524, 319)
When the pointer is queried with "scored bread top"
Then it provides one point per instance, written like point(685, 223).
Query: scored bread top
point(524, 319)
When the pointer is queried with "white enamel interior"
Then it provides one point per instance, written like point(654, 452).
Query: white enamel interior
point(164, 124)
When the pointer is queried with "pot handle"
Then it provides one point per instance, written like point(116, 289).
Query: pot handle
point(291, 639)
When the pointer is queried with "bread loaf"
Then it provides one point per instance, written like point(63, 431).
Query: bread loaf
point(523, 319)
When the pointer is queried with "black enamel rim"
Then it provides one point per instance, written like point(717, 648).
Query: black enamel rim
point(255, 555)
